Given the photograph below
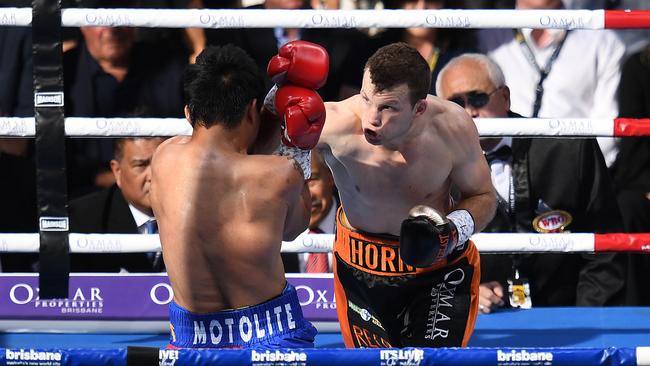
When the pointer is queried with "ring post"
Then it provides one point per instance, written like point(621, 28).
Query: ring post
point(54, 258)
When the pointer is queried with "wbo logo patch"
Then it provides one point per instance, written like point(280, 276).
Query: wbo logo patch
point(554, 221)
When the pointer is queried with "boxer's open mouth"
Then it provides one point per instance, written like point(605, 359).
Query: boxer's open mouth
point(371, 136)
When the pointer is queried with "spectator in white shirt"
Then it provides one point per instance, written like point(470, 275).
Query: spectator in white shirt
point(582, 67)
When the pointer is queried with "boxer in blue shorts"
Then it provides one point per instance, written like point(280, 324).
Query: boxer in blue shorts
point(224, 203)
point(277, 323)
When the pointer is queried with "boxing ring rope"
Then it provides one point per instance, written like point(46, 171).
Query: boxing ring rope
point(314, 243)
point(532, 127)
point(269, 18)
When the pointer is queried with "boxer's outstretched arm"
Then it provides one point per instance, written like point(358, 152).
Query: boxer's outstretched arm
point(339, 121)
point(480, 201)
point(299, 205)
point(471, 175)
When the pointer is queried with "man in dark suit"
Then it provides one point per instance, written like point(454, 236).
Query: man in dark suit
point(631, 170)
point(348, 48)
point(111, 74)
point(545, 185)
point(124, 208)
point(17, 180)
point(17, 168)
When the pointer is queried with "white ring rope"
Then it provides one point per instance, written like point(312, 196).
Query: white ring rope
point(308, 243)
point(582, 127)
point(556, 127)
point(262, 18)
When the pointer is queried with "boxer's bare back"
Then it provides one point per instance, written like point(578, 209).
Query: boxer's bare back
point(222, 217)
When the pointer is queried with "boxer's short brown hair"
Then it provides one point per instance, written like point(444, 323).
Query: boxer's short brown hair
point(399, 63)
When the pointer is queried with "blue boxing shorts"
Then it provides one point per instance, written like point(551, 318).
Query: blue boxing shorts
point(277, 323)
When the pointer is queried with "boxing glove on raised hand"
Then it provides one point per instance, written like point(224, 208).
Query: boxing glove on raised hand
point(303, 114)
point(427, 237)
point(301, 63)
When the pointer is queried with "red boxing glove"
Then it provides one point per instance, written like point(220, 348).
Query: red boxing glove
point(303, 115)
point(300, 63)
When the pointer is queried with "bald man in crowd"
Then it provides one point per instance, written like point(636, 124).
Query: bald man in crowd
point(543, 185)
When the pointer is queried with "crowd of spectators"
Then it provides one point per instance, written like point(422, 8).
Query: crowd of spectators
point(126, 72)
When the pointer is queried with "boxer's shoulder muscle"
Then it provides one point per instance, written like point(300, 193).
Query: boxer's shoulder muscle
point(342, 119)
point(451, 122)
point(278, 175)
point(168, 153)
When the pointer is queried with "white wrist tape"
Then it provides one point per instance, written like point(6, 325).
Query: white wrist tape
point(269, 100)
point(302, 157)
point(464, 224)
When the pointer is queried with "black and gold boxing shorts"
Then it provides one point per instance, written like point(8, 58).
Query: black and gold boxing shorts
point(382, 302)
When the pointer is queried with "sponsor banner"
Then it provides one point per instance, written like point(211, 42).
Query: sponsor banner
point(137, 297)
point(89, 297)
point(316, 295)
point(60, 357)
point(318, 357)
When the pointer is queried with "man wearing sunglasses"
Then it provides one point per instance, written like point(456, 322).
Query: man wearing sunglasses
point(405, 272)
point(537, 179)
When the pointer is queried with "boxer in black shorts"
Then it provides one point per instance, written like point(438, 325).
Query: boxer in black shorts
point(406, 273)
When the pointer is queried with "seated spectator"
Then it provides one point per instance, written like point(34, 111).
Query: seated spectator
point(535, 179)
point(18, 175)
point(123, 208)
point(631, 171)
point(16, 94)
point(324, 204)
point(436, 45)
point(111, 75)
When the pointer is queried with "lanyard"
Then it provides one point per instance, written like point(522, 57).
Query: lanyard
point(433, 60)
point(511, 193)
point(543, 73)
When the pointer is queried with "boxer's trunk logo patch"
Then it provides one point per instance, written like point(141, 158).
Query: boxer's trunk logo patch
point(230, 330)
point(443, 298)
point(437, 314)
point(367, 330)
point(365, 314)
point(377, 257)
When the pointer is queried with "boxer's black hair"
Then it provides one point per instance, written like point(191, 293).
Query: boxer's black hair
point(219, 86)
point(399, 63)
